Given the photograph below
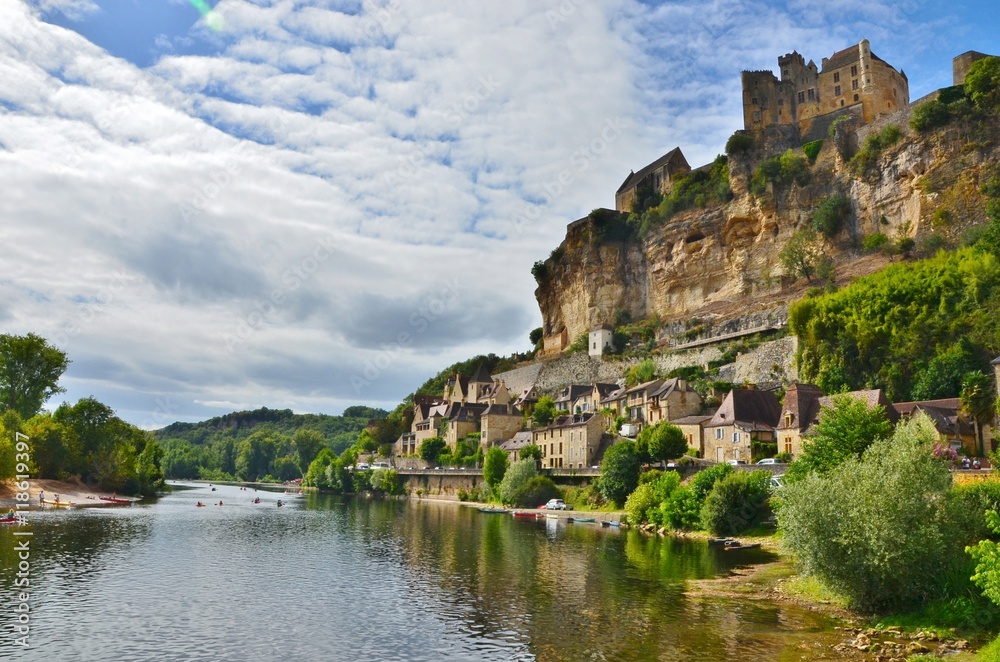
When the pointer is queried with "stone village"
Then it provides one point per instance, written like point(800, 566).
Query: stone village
point(750, 422)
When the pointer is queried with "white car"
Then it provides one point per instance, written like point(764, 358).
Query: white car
point(767, 460)
point(735, 463)
point(555, 504)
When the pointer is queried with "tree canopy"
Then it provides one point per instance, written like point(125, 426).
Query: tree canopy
point(30, 369)
point(844, 431)
point(620, 471)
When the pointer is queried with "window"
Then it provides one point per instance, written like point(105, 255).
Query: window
point(854, 84)
point(812, 94)
point(856, 97)
point(894, 93)
point(836, 77)
point(841, 103)
point(854, 70)
point(753, 101)
point(736, 437)
point(756, 116)
point(802, 97)
point(718, 433)
point(836, 91)
point(788, 445)
point(781, 102)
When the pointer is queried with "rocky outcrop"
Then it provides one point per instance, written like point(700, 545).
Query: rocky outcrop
point(723, 262)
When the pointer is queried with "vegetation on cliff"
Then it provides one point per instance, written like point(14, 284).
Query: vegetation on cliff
point(896, 328)
point(701, 188)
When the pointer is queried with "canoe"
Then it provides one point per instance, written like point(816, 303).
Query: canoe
point(523, 515)
point(551, 516)
point(64, 504)
point(605, 522)
point(493, 511)
point(580, 519)
point(721, 541)
point(116, 500)
point(739, 545)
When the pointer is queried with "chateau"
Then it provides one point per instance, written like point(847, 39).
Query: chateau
point(853, 81)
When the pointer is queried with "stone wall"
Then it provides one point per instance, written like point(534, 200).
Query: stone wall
point(770, 362)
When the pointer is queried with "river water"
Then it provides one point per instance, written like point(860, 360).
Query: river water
point(329, 578)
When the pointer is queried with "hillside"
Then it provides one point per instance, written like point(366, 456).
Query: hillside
point(707, 255)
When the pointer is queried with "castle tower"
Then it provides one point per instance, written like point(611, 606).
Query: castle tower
point(865, 58)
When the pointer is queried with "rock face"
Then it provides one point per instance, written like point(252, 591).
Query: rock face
point(723, 262)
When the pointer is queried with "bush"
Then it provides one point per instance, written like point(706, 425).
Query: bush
point(866, 159)
point(781, 169)
point(432, 448)
point(537, 492)
point(880, 530)
point(830, 214)
point(982, 83)
point(662, 441)
point(737, 502)
point(642, 500)
point(929, 115)
point(811, 150)
point(682, 510)
point(512, 488)
point(386, 481)
point(739, 143)
point(875, 242)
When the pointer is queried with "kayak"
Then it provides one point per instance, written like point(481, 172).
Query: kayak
point(581, 519)
point(115, 500)
point(64, 504)
point(493, 511)
point(523, 515)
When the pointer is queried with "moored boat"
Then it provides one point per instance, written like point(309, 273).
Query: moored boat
point(523, 515)
point(116, 500)
point(581, 520)
point(605, 522)
point(493, 511)
point(63, 504)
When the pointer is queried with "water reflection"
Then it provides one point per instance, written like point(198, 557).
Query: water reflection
point(334, 578)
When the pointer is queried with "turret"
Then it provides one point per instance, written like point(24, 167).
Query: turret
point(865, 56)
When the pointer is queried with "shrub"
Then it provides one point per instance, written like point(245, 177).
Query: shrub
point(866, 159)
point(387, 481)
point(830, 214)
point(682, 510)
point(539, 271)
point(642, 500)
point(879, 530)
point(579, 344)
point(875, 242)
point(432, 448)
point(737, 502)
point(982, 83)
point(537, 491)
point(800, 255)
point(516, 480)
point(739, 143)
point(844, 431)
point(929, 115)
point(662, 441)
point(811, 150)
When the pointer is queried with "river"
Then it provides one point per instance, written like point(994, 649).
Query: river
point(331, 578)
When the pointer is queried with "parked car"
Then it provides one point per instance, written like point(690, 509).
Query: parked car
point(629, 430)
point(735, 463)
point(555, 504)
point(777, 481)
point(767, 460)
point(362, 466)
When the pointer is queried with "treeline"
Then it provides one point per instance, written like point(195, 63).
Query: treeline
point(85, 439)
point(264, 444)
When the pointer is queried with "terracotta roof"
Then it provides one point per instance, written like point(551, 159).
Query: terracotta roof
point(749, 408)
point(636, 177)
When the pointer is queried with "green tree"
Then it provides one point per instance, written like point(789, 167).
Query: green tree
point(431, 448)
point(880, 530)
point(55, 449)
point(255, 456)
point(844, 431)
point(515, 481)
point(801, 254)
point(545, 411)
point(307, 444)
point(830, 214)
point(977, 397)
point(620, 471)
point(495, 466)
point(929, 115)
point(663, 441)
point(535, 336)
point(29, 371)
point(982, 83)
point(531, 451)
point(316, 476)
point(986, 556)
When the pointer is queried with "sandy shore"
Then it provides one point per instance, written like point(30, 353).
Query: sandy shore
point(74, 491)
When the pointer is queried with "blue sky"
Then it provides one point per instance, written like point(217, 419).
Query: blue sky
point(321, 203)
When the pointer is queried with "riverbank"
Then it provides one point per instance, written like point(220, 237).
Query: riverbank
point(73, 491)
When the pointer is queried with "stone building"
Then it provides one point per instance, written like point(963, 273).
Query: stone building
point(570, 441)
point(515, 444)
point(954, 428)
point(500, 422)
point(960, 65)
point(673, 399)
point(745, 416)
point(799, 413)
point(853, 80)
point(600, 339)
point(659, 176)
point(693, 428)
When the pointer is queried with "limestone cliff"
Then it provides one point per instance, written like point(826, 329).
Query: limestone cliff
point(722, 262)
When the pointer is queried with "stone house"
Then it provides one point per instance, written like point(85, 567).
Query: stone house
point(746, 417)
point(674, 398)
point(693, 428)
point(617, 402)
point(659, 176)
point(955, 429)
point(799, 412)
point(853, 80)
point(638, 399)
point(574, 398)
point(570, 441)
point(514, 445)
point(456, 389)
point(499, 422)
point(598, 394)
point(461, 420)
point(601, 337)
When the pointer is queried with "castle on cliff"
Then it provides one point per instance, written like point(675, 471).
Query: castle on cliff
point(852, 81)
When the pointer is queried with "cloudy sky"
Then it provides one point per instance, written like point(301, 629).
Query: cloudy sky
point(317, 203)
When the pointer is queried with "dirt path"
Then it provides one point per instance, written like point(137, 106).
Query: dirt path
point(74, 491)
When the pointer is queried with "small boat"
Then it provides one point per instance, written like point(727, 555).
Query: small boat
point(739, 545)
point(722, 541)
point(606, 523)
point(581, 520)
point(280, 503)
point(551, 516)
point(8, 520)
point(200, 504)
point(257, 500)
point(116, 500)
point(523, 515)
point(493, 511)
point(64, 504)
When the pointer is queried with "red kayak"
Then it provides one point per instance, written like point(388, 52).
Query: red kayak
point(112, 499)
point(520, 514)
